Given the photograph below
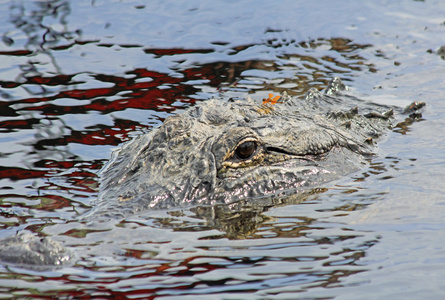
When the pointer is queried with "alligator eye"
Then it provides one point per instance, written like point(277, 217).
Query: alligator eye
point(246, 149)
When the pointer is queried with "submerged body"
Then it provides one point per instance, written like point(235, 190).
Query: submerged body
point(221, 152)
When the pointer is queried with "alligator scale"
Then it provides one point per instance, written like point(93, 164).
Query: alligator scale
point(222, 152)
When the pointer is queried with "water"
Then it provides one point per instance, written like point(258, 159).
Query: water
point(78, 78)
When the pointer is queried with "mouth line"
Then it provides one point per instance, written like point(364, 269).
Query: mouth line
point(286, 163)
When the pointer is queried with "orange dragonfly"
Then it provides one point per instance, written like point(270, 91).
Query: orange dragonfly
point(271, 100)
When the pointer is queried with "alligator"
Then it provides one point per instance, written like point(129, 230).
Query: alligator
point(227, 151)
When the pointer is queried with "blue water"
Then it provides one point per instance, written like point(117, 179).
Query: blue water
point(78, 78)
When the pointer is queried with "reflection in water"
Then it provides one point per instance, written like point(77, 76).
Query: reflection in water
point(31, 18)
point(44, 26)
point(57, 129)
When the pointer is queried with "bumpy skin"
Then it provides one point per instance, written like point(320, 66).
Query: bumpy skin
point(28, 250)
point(221, 152)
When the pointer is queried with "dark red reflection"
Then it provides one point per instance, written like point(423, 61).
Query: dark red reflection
point(12, 125)
point(15, 173)
point(16, 53)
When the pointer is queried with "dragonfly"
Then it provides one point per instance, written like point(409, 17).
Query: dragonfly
point(271, 100)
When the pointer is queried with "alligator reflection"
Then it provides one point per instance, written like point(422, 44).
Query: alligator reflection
point(242, 219)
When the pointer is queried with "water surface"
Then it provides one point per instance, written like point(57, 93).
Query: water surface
point(78, 78)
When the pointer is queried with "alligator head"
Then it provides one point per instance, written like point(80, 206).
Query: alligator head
point(222, 151)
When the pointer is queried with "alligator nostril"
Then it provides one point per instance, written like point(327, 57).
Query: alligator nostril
point(278, 150)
